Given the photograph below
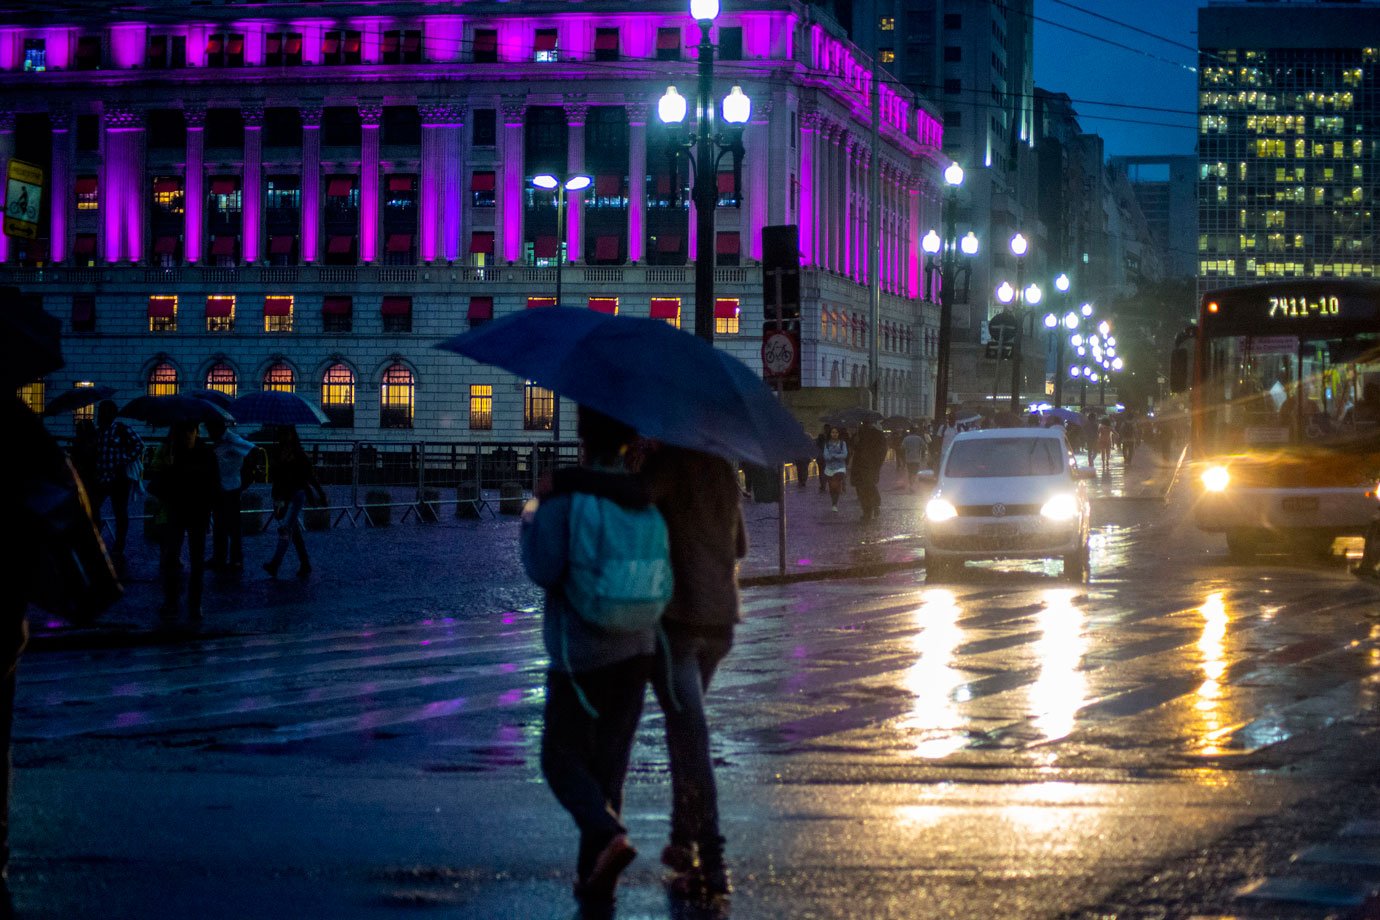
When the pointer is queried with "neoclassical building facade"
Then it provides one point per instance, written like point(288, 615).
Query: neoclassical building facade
point(308, 197)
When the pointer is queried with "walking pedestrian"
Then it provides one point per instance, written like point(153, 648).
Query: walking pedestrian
point(943, 434)
point(184, 478)
point(294, 481)
point(85, 454)
point(227, 551)
point(835, 465)
point(596, 520)
point(821, 439)
point(913, 449)
point(119, 467)
point(1104, 445)
point(698, 497)
point(802, 472)
point(869, 453)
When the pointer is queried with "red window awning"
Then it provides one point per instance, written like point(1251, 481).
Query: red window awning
point(725, 183)
point(235, 44)
point(606, 248)
point(391, 42)
point(352, 42)
point(220, 307)
point(224, 185)
point(165, 245)
point(486, 40)
point(397, 306)
point(83, 308)
point(665, 308)
point(294, 44)
point(339, 245)
point(482, 181)
point(482, 241)
point(273, 44)
point(402, 183)
point(608, 186)
point(727, 244)
point(331, 43)
point(667, 39)
point(86, 185)
point(545, 247)
point(224, 245)
point(85, 244)
point(481, 308)
point(605, 39)
point(411, 42)
point(725, 307)
point(546, 40)
point(277, 305)
point(607, 305)
point(162, 307)
point(398, 242)
point(164, 184)
point(213, 44)
point(281, 245)
point(337, 305)
point(535, 302)
point(668, 243)
point(340, 186)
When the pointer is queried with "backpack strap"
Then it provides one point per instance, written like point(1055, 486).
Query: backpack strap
point(565, 660)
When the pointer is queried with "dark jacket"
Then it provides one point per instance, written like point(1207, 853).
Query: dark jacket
point(698, 496)
point(869, 452)
point(545, 552)
point(185, 482)
point(293, 473)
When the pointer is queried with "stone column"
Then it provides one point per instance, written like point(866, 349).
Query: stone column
point(123, 202)
point(637, 179)
point(194, 199)
point(806, 214)
point(311, 182)
point(575, 114)
point(452, 186)
point(60, 181)
point(847, 157)
point(912, 241)
point(837, 185)
point(6, 153)
point(758, 178)
point(511, 170)
point(370, 118)
point(251, 183)
point(441, 206)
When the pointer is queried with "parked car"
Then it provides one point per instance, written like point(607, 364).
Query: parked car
point(1007, 493)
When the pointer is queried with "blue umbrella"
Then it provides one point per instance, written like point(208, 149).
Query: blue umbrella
point(77, 398)
point(666, 383)
point(166, 410)
point(1065, 415)
point(212, 396)
point(276, 407)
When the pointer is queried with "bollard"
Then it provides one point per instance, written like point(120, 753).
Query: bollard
point(510, 500)
point(378, 507)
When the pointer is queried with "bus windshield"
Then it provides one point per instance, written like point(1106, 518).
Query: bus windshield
point(1273, 390)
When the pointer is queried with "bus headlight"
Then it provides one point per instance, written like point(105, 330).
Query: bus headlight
point(1216, 478)
point(1062, 507)
point(937, 509)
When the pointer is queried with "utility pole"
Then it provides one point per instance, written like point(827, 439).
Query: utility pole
point(874, 255)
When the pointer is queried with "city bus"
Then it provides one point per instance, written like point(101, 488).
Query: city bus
point(1285, 400)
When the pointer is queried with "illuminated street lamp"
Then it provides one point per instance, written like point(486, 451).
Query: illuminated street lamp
point(561, 185)
point(942, 257)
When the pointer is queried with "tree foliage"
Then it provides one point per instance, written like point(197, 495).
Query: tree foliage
point(1145, 325)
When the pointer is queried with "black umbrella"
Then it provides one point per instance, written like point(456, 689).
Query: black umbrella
point(30, 339)
point(77, 398)
point(168, 410)
point(212, 396)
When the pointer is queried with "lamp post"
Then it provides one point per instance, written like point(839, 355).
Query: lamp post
point(1060, 328)
point(737, 108)
point(561, 184)
point(1019, 247)
point(1081, 370)
point(942, 255)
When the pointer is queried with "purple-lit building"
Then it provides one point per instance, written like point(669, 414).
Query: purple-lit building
point(309, 195)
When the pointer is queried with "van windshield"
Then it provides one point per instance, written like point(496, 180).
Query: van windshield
point(988, 457)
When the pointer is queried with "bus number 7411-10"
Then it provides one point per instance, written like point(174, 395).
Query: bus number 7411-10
point(1302, 306)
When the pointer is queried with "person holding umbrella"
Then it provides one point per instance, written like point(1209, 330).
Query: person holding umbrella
point(119, 453)
point(294, 479)
point(835, 467)
point(226, 538)
point(869, 453)
point(185, 479)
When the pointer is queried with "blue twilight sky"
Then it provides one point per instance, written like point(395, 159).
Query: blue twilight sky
point(1091, 71)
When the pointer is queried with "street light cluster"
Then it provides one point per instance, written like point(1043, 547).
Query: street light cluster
point(943, 258)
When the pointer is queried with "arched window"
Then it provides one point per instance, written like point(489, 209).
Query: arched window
point(223, 379)
point(162, 380)
point(281, 378)
point(338, 396)
point(398, 398)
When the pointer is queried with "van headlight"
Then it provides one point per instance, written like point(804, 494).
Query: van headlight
point(1216, 478)
point(1062, 507)
point(937, 509)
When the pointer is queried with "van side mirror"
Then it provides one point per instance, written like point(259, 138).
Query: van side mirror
point(928, 477)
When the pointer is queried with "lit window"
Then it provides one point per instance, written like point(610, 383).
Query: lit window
point(220, 313)
point(280, 378)
point(538, 407)
point(607, 305)
point(163, 313)
point(167, 195)
point(666, 308)
point(481, 407)
point(888, 56)
point(338, 396)
point(544, 48)
point(88, 193)
point(887, 23)
point(32, 395)
point(398, 398)
point(162, 380)
point(278, 313)
point(35, 55)
point(222, 379)
point(726, 314)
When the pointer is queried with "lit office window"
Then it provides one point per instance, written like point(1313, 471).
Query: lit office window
point(538, 407)
point(398, 398)
point(162, 380)
point(481, 407)
point(338, 396)
point(222, 379)
point(280, 378)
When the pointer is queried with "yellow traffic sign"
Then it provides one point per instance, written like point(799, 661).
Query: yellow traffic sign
point(23, 196)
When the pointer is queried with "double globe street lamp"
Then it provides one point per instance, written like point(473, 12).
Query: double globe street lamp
point(1023, 295)
point(561, 185)
point(942, 256)
point(737, 109)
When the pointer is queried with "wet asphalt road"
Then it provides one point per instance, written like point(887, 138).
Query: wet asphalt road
point(1007, 745)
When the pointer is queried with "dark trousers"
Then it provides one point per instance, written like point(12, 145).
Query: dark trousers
point(290, 531)
point(802, 473)
point(17, 629)
point(170, 562)
point(226, 534)
point(118, 493)
point(868, 495)
point(585, 758)
point(680, 680)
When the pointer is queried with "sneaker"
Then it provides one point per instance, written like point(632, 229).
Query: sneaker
point(835, 509)
point(608, 866)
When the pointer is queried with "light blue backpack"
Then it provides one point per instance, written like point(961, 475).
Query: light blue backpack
point(619, 575)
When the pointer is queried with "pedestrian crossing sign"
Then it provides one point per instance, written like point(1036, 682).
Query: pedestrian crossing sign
point(23, 195)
